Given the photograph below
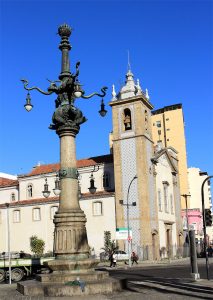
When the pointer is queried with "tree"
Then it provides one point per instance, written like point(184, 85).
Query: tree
point(37, 245)
point(109, 245)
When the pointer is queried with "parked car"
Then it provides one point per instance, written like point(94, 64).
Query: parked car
point(121, 255)
point(5, 255)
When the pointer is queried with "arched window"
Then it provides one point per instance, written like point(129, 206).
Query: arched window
point(53, 210)
point(165, 189)
point(106, 180)
point(127, 119)
point(29, 191)
point(97, 208)
point(13, 197)
point(16, 216)
point(36, 214)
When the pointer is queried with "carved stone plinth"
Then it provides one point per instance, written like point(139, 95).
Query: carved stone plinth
point(68, 266)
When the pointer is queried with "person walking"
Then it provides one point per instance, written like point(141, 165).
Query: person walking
point(134, 258)
point(111, 259)
point(114, 260)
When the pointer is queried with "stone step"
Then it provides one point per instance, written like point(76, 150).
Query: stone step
point(65, 277)
point(36, 288)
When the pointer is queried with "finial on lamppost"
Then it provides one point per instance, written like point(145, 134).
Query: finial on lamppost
point(64, 30)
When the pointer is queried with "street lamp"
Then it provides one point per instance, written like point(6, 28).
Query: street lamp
point(127, 206)
point(70, 239)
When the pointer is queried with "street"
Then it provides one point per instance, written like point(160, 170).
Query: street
point(144, 281)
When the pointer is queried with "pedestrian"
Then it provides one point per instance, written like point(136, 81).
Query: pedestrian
point(210, 251)
point(111, 259)
point(134, 258)
point(114, 259)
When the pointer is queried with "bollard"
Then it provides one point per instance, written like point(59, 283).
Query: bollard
point(193, 256)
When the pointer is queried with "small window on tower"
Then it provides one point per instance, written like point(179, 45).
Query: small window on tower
point(127, 119)
point(158, 123)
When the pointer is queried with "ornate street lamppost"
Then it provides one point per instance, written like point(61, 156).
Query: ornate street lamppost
point(70, 240)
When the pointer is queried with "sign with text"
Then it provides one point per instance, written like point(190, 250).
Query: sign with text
point(122, 234)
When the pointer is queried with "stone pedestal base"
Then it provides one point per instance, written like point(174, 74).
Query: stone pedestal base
point(35, 288)
point(71, 278)
point(61, 284)
point(195, 276)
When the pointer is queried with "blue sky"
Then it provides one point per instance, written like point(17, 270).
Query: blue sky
point(170, 45)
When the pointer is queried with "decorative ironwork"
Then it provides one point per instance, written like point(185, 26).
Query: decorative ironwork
point(67, 116)
point(68, 173)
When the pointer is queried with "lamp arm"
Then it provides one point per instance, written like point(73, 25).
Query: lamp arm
point(25, 82)
point(97, 94)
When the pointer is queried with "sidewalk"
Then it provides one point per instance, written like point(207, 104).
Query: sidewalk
point(121, 264)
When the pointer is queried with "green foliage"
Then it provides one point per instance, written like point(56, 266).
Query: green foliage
point(109, 245)
point(37, 245)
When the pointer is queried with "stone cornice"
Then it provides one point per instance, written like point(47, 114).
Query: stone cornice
point(132, 99)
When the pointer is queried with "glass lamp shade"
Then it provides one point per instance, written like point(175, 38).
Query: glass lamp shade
point(77, 94)
point(28, 107)
point(57, 192)
point(92, 190)
point(102, 111)
point(46, 194)
point(77, 89)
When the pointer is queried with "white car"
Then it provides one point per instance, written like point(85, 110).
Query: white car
point(121, 255)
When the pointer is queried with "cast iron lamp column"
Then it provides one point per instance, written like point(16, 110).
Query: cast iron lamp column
point(70, 240)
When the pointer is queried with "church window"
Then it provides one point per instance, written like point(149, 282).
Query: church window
point(16, 216)
point(127, 119)
point(158, 124)
point(53, 210)
point(106, 180)
point(165, 189)
point(97, 208)
point(29, 191)
point(13, 197)
point(36, 214)
point(159, 200)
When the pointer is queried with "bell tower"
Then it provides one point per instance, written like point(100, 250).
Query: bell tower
point(132, 150)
